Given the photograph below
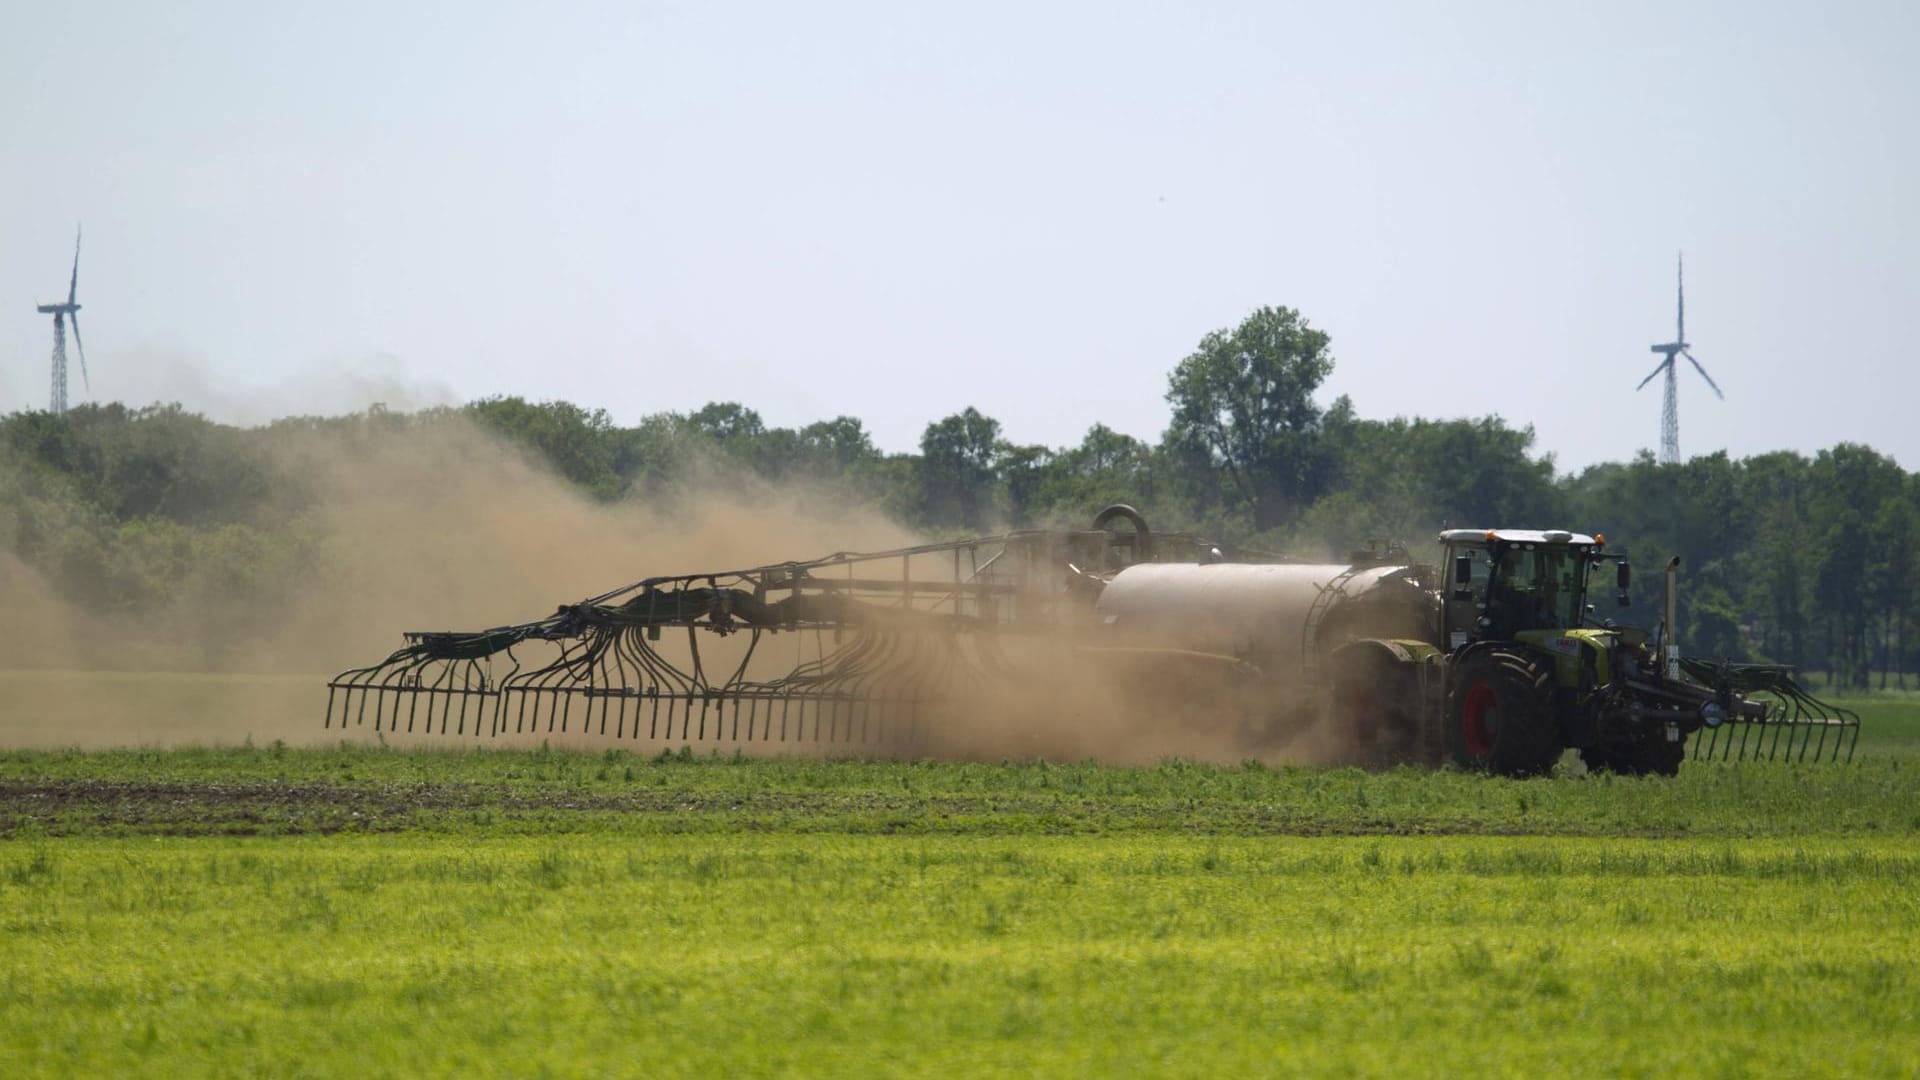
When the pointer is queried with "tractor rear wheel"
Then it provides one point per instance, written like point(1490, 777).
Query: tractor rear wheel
point(1500, 715)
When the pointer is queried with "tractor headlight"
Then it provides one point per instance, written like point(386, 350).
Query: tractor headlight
point(1712, 715)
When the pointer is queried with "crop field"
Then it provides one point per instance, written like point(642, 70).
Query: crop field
point(366, 909)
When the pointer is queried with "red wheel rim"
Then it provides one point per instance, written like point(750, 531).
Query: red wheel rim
point(1479, 719)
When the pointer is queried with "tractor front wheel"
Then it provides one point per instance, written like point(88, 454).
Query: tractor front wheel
point(1500, 715)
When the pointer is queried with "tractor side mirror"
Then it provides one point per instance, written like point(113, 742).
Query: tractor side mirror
point(1624, 579)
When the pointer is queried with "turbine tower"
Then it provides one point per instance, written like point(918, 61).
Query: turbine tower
point(61, 313)
point(1670, 409)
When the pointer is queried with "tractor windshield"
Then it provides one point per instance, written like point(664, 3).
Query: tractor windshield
point(1537, 587)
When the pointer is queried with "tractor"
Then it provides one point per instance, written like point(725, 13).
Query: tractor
point(1530, 670)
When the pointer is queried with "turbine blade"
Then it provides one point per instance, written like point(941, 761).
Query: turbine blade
point(81, 348)
point(73, 286)
point(1680, 276)
point(1683, 352)
point(1657, 369)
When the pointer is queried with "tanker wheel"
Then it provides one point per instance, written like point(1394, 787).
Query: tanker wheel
point(1500, 715)
point(1650, 756)
point(1376, 706)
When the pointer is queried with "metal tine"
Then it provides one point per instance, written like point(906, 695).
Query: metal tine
point(360, 717)
point(632, 678)
point(349, 695)
point(621, 680)
point(455, 697)
point(869, 684)
point(467, 694)
point(1787, 712)
point(1823, 740)
point(418, 694)
point(544, 697)
point(432, 700)
point(413, 703)
point(541, 699)
point(522, 696)
point(446, 697)
point(529, 713)
point(397, 685)
point(1798, 733)
point(457, 693)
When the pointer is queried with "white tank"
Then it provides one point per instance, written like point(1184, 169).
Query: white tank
point(1258, 612)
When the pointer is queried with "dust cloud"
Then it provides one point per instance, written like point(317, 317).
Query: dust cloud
point(446, 527)
point(440, 527)
point(328, 386)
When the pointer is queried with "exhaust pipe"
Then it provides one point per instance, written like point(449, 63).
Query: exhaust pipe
point(1672, 636)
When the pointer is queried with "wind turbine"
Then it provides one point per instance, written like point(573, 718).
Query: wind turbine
point(1670, 410)
point(61, 313)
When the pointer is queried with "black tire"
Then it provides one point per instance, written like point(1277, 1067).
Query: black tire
point(1376, 708)
point(1500, 715)
point(1650, 756)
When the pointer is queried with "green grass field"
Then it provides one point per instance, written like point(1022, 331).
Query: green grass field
point(367, 910)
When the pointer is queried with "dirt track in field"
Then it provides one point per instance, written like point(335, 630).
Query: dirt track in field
point(99, 807)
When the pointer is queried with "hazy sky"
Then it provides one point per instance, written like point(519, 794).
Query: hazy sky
point(896, 210)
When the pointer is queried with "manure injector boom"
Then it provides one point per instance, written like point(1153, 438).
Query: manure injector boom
point(1498, 664)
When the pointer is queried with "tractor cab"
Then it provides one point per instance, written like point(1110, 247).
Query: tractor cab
point(1511, 584)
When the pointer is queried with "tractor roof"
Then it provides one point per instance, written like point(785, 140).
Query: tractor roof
point(1515, 536)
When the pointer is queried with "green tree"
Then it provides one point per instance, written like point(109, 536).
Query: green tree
point(1896, 531)
point(957, 468)
point(575, 442)
point(839, 445)
point(1243, 402)
point(728, 423)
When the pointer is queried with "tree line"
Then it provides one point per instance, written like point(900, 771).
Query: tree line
point(1787, 558)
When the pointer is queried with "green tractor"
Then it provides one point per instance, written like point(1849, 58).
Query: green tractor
point(1530, 670)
